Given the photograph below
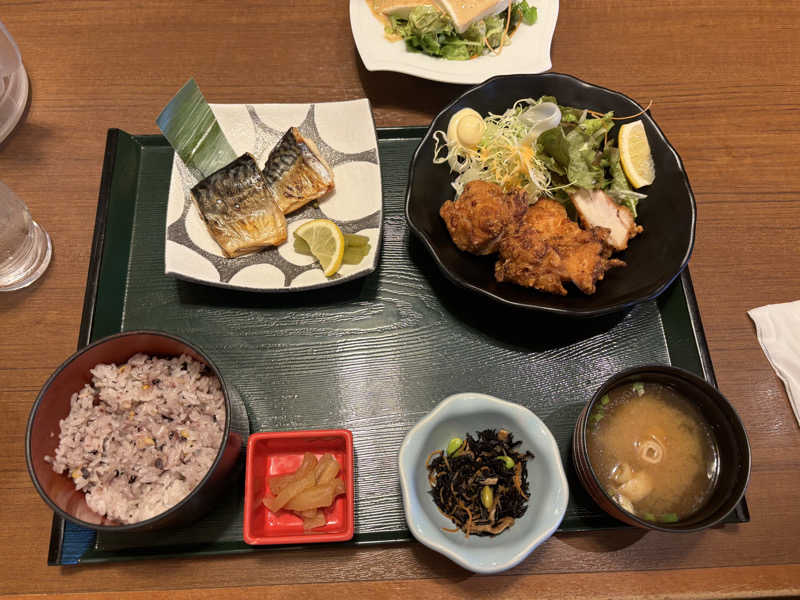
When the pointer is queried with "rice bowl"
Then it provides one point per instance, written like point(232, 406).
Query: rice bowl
point(54, 405)
point(141, 436)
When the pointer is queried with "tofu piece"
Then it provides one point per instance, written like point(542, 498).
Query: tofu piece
point(465, 12)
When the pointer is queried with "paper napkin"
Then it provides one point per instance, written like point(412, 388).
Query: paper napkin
point(778, 330)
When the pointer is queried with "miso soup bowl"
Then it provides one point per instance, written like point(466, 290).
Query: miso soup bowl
point(53, 404)
point(732, 443)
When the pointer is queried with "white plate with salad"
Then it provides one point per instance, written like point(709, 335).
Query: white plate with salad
point(438, 40)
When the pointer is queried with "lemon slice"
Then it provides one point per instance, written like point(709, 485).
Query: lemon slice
point(635, 156)
point(326, 242)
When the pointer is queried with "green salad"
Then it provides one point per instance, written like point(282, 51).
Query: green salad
point(551, 156)
point(430, 31)
point(581, 154)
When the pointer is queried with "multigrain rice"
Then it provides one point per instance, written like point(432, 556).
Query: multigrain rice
point(141, 436)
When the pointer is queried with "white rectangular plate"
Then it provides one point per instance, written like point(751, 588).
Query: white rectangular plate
point(345, 134)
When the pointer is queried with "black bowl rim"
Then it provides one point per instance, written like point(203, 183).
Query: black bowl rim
point(677, 372)
point(571, 312)
point(152, 520)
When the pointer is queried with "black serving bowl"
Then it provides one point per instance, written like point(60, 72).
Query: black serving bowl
point(654, 258)
point(732, 443)
point(53, 404)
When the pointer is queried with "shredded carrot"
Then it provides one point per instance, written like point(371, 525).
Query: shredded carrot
point(505, 33)
point(503, 37)
point(448, 530)
point(595, 113)
point(430, 456)
point(518, 480)
point(468, 524)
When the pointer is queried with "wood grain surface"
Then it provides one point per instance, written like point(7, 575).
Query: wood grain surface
point(724, 80)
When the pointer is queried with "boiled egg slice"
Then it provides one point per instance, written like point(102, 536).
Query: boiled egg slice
point(465, 129)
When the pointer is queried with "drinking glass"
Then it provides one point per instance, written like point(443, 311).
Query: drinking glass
point(13, 84)
point(25, 248)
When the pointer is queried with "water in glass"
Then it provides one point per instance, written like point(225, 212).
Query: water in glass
point(25, 248)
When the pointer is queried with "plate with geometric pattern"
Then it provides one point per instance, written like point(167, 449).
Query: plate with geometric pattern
point(345, 134)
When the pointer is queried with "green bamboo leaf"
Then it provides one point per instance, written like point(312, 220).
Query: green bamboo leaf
point(193, 131)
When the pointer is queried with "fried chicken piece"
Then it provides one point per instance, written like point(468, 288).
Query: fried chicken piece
point(597, 209)
point(480, 216)
point(547, 249)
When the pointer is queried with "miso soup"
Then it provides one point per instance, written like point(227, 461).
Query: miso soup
point(652, 451)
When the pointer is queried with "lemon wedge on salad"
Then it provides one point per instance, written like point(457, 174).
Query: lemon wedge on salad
point(326, 242)
point(634, 154)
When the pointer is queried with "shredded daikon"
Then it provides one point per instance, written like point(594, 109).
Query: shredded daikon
point(504, 154)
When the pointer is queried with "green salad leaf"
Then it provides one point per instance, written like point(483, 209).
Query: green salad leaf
point(429, 20)
point(554, 145)
point(430, 31)
point(579, 150)
point(527, 13)
point(584, 170)
point(495, 28)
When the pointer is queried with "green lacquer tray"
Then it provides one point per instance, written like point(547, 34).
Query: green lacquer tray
point(372, 355)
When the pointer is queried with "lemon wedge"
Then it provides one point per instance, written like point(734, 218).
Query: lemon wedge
point(634, 154)
point(326, 242)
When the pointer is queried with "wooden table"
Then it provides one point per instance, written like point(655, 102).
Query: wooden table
point(724, 80)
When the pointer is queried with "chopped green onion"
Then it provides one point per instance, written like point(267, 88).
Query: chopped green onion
point(605, 400)
point(596, 417)
point(669, 518)
point(638, 387)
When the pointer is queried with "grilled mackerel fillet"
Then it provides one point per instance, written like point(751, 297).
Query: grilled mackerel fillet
point(296, 172)
point(239, 208)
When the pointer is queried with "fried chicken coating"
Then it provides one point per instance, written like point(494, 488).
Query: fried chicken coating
point(479, 217)
point(546, 249)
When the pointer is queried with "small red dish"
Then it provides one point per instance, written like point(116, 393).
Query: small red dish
point(278, 453)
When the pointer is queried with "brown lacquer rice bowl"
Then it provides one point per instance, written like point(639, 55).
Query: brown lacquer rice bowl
point(725, 424)
point(53, 404)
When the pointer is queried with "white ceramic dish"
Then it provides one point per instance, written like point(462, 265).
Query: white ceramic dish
point(345, 135)
point(529, 51)
point(468, 413)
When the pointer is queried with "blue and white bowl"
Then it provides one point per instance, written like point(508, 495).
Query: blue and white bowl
point(467, 413)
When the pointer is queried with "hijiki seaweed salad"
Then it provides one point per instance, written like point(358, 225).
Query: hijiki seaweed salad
point(481, 483)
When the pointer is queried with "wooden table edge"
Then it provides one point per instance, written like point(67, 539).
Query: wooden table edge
point(728, 582)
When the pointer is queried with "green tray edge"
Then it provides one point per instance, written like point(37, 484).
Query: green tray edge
point(685, 338)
